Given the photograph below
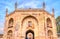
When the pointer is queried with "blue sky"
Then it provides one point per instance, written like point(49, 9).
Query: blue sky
point(26, 4)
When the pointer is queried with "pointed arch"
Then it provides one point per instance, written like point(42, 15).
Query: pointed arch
point(11, 20)
point(31, 33)
point(10, 23)
point(50, 34)
point(29, 17)
point(9, 34)
point(49, 23)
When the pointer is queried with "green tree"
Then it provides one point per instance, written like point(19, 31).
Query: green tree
point(58, 24)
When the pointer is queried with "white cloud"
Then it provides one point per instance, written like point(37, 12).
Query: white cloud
point(31, 4)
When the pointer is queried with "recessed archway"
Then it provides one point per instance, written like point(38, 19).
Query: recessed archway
point(30, 17)
point(9, 34)
point(49, 23)
point(29, 34)
point(10, 23)
point(50, 34)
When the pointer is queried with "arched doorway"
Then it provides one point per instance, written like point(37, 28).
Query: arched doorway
point(29, 34)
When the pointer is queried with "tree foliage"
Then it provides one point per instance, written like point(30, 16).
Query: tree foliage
point(58, 24)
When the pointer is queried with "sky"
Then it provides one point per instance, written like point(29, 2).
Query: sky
point(49, 4)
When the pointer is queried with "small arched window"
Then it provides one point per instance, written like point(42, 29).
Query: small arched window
point(49, 23)
point(11, 22)
point(9, 34)
point(50, 34)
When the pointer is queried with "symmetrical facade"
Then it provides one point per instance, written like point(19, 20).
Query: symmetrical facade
point(30, 24)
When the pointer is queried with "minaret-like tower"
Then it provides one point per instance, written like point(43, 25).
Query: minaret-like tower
point(43, 5)
point(6, 11)
point(15, 5)
point(53, 11)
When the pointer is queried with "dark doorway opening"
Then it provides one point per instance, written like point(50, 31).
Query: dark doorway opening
point(29, 34)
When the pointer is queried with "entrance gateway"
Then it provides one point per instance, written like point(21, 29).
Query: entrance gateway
point(29, 34)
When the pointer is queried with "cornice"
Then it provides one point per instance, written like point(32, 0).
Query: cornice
point(29, 10)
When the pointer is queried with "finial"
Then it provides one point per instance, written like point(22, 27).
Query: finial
point(15, 5)
point(43, 5)
point(6, 11)
point(53, 11)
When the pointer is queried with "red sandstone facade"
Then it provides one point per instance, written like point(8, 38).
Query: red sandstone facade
point(30, 23)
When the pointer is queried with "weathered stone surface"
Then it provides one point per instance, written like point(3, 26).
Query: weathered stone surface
point(38, 18)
